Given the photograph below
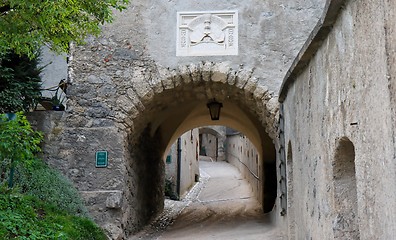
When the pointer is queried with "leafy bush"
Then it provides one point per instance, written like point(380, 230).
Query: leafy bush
point(26, 217)
point(44, 204)
point(51, 186)
point(18, 144)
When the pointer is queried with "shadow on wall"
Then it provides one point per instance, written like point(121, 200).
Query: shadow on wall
point(270, 186)
point(149, 170)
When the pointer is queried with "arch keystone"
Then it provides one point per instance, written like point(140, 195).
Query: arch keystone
point(206, 71)
point(196, 72)
point(220, 72)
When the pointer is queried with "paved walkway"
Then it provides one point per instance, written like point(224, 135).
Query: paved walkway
point(221, 206)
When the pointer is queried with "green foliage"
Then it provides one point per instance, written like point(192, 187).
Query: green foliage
point(18, 142)
point(51, 186)
point(25, 25)
point(49, 205)
point(26, 217)
point(20, 83)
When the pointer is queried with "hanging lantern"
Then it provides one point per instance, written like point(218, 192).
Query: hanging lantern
point(214, 109)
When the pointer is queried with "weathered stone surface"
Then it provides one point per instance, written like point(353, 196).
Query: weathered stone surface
point(339, 129)
point(206, 71)
point(114, 200)
point(220, 72)
point(243, 77)
point(251, 85)
point(185, 73)
point(125, 54)
point(232, 77)
point(115, 232)
point(166, 78)
point(195, 71)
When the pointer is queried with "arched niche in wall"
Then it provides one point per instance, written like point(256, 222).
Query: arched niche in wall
point(345, 224)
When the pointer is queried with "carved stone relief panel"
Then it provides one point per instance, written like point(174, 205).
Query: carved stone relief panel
point(207, 33)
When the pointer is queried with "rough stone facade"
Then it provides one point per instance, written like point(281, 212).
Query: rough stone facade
point(131, 95)
point(340, 126)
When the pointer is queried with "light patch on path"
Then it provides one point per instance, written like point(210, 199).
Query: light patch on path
point(221, 206)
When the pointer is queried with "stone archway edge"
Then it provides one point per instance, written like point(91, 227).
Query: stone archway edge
point(207, 71)
point(145, 88)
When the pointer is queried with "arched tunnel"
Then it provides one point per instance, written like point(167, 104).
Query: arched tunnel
point(175, 111)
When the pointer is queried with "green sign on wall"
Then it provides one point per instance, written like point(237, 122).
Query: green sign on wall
point(168, 159)
point(101, 159)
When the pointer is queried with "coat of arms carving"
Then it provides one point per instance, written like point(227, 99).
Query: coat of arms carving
point(207, 33)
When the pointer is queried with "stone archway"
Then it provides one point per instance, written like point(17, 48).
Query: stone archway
point(141, 111)
point(164, 107)
point(215, 149)
point(182, 95)
point(210, 130)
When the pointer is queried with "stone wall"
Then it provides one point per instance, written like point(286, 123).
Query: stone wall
point(51, 125)
point(339, 129)
point(241, 153)
point(109, 188)
point(171, 170)
point(189, 168)
point(209, 146)
point(189, 160)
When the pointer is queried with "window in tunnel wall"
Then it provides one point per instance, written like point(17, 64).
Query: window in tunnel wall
point(345, 224)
